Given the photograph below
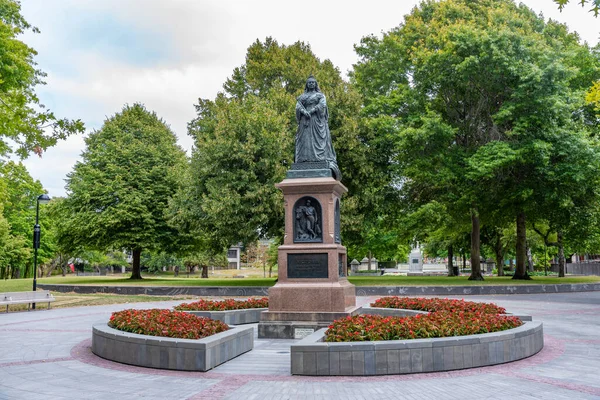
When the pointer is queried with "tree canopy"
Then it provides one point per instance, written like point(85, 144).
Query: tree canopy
point(478, 98)
point(244, 144)
point(119, 191)
point(594, 4)
point(18, 197)
point(25, 123)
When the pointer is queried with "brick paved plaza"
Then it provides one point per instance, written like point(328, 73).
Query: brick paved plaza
point(46, 354)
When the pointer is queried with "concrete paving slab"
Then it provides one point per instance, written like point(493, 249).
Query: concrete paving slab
point(46, 354)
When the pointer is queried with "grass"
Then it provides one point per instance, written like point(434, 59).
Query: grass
point(66, 300)
point(76, 300)
point(15, 285)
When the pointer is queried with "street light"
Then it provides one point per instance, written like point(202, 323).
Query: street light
point(42, 199)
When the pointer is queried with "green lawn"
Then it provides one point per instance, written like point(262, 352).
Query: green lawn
point(14, 285)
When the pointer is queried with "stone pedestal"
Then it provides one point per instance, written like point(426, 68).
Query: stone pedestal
point(312, 289)
point(415, 262)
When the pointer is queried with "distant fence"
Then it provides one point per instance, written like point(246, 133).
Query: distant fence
point(585, 268)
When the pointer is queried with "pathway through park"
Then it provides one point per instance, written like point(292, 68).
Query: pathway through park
point(45, 354)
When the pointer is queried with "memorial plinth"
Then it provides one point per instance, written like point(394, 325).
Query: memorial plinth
point(312, 289)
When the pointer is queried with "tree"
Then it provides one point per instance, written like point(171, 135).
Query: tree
point(470, 90)
point(18, 205)
point(118, 193)
point(593, 97)
point(595, 4)
point(244, 141)
point(24, 121)
point(156, 261)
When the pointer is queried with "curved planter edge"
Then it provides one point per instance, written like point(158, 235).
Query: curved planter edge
point(313, 356)
point(171, 353)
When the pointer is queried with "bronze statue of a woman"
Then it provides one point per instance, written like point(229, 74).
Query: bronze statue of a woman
point(313, 139)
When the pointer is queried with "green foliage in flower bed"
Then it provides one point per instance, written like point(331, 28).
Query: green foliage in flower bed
point(435, 305)
point(223, 305)
point(432, 325)
point(157, 322)
point(445, 318)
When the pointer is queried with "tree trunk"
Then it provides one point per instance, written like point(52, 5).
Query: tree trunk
point(136, 270)
point(561, 255)
point(370, 256)
point(450, 261)
point(204, 271)
point(499, 255)
point(475, 255)
point(521, 249)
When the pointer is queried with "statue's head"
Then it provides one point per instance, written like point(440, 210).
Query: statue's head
point(311, 84)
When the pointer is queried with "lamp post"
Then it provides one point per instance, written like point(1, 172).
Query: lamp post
point(42, 199)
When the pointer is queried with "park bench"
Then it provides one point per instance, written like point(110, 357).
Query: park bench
point(41, 296)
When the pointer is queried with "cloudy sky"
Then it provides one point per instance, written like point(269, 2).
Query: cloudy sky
point(102, 54)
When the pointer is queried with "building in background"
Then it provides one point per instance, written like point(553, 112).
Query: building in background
point(233, 256)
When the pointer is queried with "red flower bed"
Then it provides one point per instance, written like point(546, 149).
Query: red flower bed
point(223, 305)
point(157, 322)
point(445, 318)
point(436, 305)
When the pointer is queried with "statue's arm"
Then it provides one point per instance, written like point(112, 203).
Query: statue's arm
point(300, 111)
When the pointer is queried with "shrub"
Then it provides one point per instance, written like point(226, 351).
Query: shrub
point(435, 305)
point(223, 305)
point(432, 325)
point(157, 322)
point(446, 318)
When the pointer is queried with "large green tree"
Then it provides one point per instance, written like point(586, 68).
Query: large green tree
point(18, 197)
point(471, 91)
point(593, 4)
point(119, 191)
point(244, 144)
point(25, 124)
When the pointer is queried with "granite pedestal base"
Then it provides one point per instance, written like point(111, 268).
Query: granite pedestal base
point(312, 289)
point(298, 324)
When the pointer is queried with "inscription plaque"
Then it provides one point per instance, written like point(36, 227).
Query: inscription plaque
point(307, 266)
point(301, 333)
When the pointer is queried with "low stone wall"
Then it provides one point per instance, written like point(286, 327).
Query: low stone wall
point(233, 317)
point(360, 290)
point(170, 353)
point(584, 268)
point(312, 356)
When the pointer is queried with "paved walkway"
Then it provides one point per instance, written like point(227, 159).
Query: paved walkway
point(45, 354)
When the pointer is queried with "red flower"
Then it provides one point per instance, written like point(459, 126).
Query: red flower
point(445, 318)
point(223, 305)
point(157, 322)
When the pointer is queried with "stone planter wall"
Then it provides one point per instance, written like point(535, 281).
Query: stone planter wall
point(233, 317)
point(170, 353)
point(312, 356)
